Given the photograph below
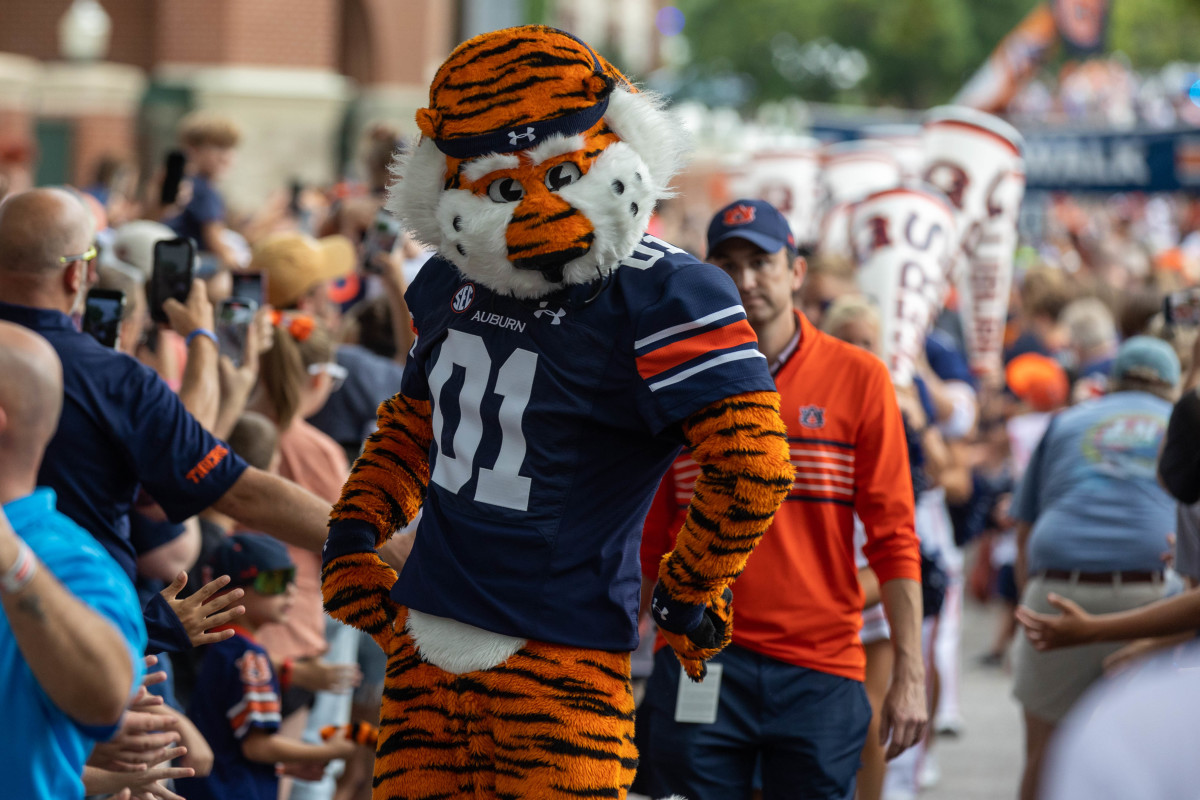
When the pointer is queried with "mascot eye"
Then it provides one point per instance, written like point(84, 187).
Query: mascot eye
point(505, 190)
point(562, 175)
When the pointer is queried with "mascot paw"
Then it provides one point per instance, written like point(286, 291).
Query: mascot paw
point(695, 633)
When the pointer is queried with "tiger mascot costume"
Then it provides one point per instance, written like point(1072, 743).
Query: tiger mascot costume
point(562, 359)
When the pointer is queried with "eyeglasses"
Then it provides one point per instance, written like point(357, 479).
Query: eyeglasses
point(88, 256)
point(336, 372)
point(274, 581)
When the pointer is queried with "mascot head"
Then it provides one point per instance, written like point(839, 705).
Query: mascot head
point(539, 163)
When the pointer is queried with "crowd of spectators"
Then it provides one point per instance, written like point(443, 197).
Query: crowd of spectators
point(1107, 93)
point(165, 499)
point(181, 496)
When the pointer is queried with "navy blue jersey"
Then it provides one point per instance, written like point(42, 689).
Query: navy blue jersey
point(236, 692)
point(553, 421)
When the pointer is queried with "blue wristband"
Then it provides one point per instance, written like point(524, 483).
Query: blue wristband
point(674, 615)
point(347, 537)
point(206, 333)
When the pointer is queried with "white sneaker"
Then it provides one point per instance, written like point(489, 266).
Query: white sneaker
point(949, 726)
point(931, 772)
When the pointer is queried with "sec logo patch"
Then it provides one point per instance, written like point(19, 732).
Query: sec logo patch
point(812, 416)
point(463, 298)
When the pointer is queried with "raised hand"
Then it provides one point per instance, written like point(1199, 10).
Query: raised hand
point(199, 614)
point(144, 739)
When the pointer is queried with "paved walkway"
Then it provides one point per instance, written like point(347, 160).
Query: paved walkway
point(984, 763)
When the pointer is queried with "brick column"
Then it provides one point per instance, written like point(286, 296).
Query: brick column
point(101, 101)
point(407, 41)
point(18, 90)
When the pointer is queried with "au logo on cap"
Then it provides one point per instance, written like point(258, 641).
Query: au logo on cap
point(739, 215)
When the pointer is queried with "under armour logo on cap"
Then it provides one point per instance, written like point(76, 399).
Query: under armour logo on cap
point(514, 137)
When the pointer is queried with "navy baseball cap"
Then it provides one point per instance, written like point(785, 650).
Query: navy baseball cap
point(243, 556)
point(756, 221)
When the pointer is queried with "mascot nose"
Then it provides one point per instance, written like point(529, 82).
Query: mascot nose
point(546, 232)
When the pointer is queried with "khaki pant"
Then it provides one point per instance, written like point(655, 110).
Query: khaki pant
point(1049, 683)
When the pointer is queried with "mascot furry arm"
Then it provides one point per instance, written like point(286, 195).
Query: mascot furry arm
point(562, 358)
point(741, 448)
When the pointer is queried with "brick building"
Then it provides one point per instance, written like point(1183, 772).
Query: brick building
point(301, 77)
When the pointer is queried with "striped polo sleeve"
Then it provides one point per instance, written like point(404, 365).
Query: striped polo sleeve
point(694, 346)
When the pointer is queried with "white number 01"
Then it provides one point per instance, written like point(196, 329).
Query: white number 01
point(502, 485)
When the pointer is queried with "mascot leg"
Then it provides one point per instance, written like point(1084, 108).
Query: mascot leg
point(549, 722)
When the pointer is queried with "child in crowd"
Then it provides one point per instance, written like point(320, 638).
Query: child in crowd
point(208, 142)
point(236, 703)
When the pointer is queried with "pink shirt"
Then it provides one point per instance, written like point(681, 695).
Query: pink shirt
point(318, 463)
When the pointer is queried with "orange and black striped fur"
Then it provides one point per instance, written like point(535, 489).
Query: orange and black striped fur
point(539, 720)
point(551, 721)
point(579, 202)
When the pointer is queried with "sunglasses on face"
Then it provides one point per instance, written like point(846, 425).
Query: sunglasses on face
point(336, 372)
point(87, 256)
point(274, 581)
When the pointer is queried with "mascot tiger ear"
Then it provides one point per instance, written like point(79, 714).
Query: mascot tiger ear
point(550, 162)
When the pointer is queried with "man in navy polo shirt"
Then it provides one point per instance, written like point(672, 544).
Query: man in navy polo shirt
point(121, 425)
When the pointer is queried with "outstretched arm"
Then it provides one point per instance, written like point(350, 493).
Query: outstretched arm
point(1173, 615)
point(265, 502)
point(384, 493)
point(741, 446)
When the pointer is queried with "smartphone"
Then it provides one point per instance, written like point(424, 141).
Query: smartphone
point(1182, 308)
point(174, 262)
point(235, 315)
point(381, 237)
point(249, 286)
point(176, 161)
point(102, 315)
point(296, 189)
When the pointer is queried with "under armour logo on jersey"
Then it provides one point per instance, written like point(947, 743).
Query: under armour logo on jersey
point(514, 137)
point(463, 298)
point(739, 215)
point(812, 416)
point(556, 315)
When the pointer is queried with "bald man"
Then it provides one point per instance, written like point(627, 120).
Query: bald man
point(71, 633)
point(121, 425)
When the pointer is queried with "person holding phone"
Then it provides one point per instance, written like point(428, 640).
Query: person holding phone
point(103, 312)
point(208, 142)
point(122, 426)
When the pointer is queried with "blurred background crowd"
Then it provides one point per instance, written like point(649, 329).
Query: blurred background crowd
point(263, 130)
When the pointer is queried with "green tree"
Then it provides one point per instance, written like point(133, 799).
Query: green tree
point(1155, 32)
point(919, 52)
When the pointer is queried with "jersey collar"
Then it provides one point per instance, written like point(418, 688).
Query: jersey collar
point(238, 629)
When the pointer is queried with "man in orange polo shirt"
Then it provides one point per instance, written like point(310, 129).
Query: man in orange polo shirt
point(791, 685)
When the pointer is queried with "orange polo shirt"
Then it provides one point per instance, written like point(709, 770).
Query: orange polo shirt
point(798, 599)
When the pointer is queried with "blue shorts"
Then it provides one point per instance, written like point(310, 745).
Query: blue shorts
point(806, 729)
